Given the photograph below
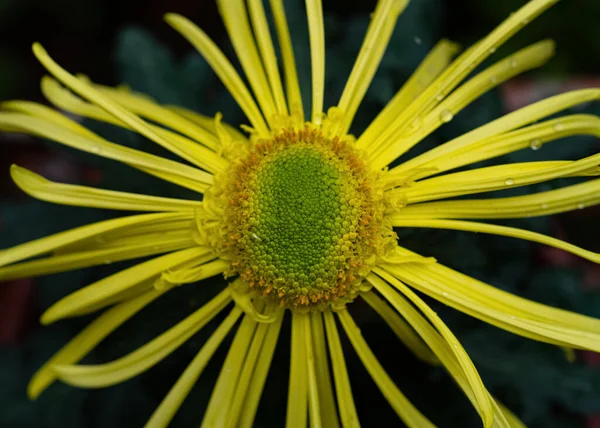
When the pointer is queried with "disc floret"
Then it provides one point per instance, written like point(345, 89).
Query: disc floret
point(301, 219)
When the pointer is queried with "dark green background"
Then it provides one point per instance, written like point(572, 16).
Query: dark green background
point(120, 41)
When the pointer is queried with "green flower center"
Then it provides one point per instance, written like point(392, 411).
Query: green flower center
point(302, 219)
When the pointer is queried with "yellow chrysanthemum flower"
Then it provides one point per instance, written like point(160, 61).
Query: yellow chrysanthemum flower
point(300, 215)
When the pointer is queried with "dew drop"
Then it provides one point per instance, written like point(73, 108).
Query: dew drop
point(418, 40)
point(559, 127)
point(512, 317)
point(446, 116)
point(494, 79)
point(439, 97)
point(535, 144)
point(107, 262)
point(96, 149)
point(444, 293)
point(580, 206)
point(513, 63)
point(509, 181)
point(492, 49)
point(544, 206)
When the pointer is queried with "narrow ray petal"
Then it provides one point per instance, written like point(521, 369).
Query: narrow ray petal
point(314, 401)
point(177, 143)
point(97, 146)
point(87, 340)
point(470, 59)
point(259, 376)
point(345, 399)
point(577, 196)
point(54, 242)
point(68, 194)
point(434, 63)
point(267, 52)
point(223, 391)
point(381, 26)
point(496, 178)
point(403, 408)
point(494, 306)
point(509, 122)
point(222, 67)
point(118, 282)
point(235, 17)
point(392, 145)
point(206, 121)
point(289, 63)
point(140, 360)
point(297, 405)
point(164, 413)
point(513, 232)
point(316, 28)
point(326, 395)
point(402, 330)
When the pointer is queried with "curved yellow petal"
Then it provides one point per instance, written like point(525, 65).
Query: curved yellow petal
point(140, 360)
point(381, 26)
point(434, 63)
point(385, 150)
point(222, 67)
point(297, 403)
point(164, 413)
point(403, 408)
point(483, 400)
point(87, 340)
point(316, 31)
point(577, 196)
point(118, 282)
point(343, 390)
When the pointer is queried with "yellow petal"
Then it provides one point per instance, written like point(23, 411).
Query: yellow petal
point(381, 26)
point(255, 388)
point(118, 282)
point(235, 17)
point(297, 404)
point(223, 391)
point(345, 399)
point(434, 63)
point(182, 146)
point(53, 242)
point(505, 310)
point(164, 413)
point(289, 63)
point(87, 340)
point(326, 395)
point(205, 121)
point(514, 120)
point(496, 178)
point(402, 330)
point(568, 198)
point(222, 67)
point(267, 52)
point(393, 144)
point(483, 400)
point(316, 31)
point(470, 59)
point(140, 360)
point(147, 162)
point(68, 194)
point(513, 232)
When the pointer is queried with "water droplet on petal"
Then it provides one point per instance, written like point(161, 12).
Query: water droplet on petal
point(559, 127)
point(492, 49)
point(535, 144)
point(445, 294)
point(509, 181)
point(544, 206)
point(446, 116)
point(513, 63)
point(107, 262)
point(580, 206)
point(439, 97)
point(96, 149)
point(418, 40)
point(494, 79)
point(512, 317)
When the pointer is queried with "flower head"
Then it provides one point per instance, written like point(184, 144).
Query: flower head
point(300, 216)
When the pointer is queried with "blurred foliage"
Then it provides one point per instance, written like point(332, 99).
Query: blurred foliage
point(533, 379)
